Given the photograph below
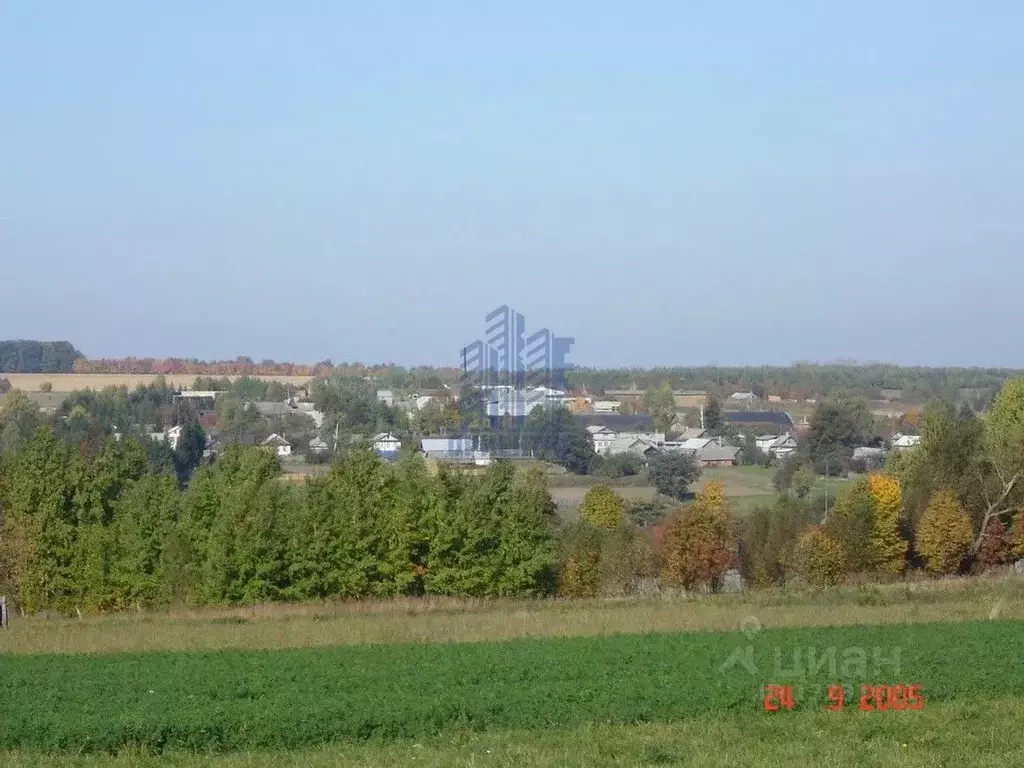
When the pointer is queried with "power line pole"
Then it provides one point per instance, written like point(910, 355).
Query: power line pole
point(826, 490)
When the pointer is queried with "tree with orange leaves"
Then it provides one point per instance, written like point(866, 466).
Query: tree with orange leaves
point(700, 542)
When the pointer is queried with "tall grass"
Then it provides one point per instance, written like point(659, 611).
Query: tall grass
point(454, 620)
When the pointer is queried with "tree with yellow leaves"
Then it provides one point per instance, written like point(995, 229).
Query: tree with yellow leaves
point(602, 507)
point(889, 550)
point(700, 541)
point(944, 534)
point(818, 558)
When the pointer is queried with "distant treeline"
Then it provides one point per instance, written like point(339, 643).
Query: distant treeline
point(20, 356)
point(805, 380)
point(388, 374)
point(793, 382)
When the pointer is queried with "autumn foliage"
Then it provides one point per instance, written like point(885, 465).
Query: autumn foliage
point(995, 547)
point(818, 558)
point(944, 534)
point(700, 541)
point(889, 550)
point(602, 507)
point(1017, 535)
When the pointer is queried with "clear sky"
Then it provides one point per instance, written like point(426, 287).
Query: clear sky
point(669, 182)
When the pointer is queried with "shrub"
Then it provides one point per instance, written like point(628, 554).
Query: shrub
point(944, 534)
point(626, 561)
point(581, 575)
point(602, 507)
point(818, 558)
point(700, 542)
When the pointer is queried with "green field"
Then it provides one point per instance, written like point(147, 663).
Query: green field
point(302, 698)
point(745, 487)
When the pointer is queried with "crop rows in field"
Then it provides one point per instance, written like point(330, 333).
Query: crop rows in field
point(294, 698)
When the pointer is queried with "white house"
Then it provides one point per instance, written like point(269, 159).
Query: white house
point(281, 446)
point(602, 438)
point(902, 442)
point(778, 446)
point(422, 400)
point(385, 442)
point(745, 397)
point(173, 436)
point(318, 445)
point(386, 396)
point(447, 447)
point(606, 406)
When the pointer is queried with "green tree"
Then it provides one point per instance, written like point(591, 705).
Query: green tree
point(661, 405)
point(803, 481)
point(494, 537)
point(554, 434)
point(714, 419)
point(838, 425)
point(1004, 442)
point(144, 523)
point(768, 537)
point(602, 507)
point(673, 473)
point(189, 453)
point(19, 419)
point(852, 524)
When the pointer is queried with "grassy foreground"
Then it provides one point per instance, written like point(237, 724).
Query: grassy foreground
point(436, 620)
point(294, 699)
point(969, 732)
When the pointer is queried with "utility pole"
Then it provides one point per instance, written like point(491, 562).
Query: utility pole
point(826, 490)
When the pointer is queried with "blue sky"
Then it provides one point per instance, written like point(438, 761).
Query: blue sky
point(669, 182)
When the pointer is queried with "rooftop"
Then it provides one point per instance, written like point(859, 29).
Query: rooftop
point(778, 418)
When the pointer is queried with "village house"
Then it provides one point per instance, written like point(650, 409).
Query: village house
point(318, 446)
point(280, 446)
point(386, 443)
point(448, 447)
point(602, 437)
point(779, 446)
point(743, 397)
point(901, 442)
point(715, 455)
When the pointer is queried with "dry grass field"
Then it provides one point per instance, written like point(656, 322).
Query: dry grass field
point(424, 620)
point(69, 382)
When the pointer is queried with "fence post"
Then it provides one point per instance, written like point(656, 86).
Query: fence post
point(3, 613)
